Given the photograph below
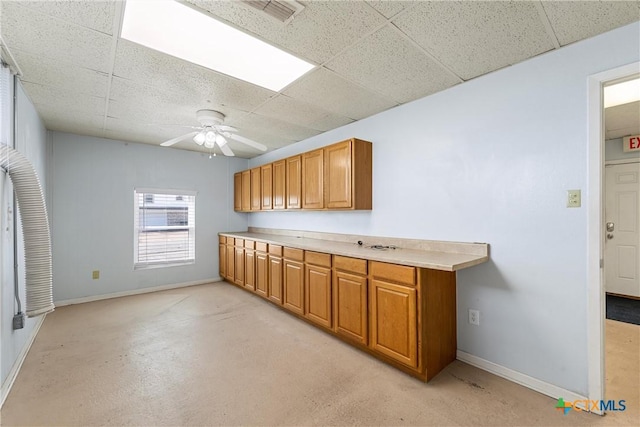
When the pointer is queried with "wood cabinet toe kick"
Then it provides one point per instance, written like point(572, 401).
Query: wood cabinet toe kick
point(402, 315)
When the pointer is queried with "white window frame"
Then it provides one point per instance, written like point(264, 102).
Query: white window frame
point(191, 258)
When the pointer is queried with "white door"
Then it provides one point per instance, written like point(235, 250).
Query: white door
point(622, 229)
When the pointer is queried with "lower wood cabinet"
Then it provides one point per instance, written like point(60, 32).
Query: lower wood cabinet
point(249, 265)
point(293, 280)
point(350, 298)
point(230, 267)
point(393, 318)
point(275, 279)
point(317, 288)
point(239, 262)
point(222, 257)
point(262, 273)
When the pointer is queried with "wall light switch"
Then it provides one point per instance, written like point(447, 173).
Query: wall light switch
point(96, 274)
point(574, 199)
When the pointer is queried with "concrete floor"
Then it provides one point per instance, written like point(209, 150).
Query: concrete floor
point(216, 355)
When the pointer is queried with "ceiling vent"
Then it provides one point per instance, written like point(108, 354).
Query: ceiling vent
point(282, 10)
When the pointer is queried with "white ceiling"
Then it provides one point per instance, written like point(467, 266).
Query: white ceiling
point(370, 56)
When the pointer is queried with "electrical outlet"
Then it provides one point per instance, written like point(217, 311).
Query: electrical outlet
point(474, 317)
point(96, 274)
point(574, 198)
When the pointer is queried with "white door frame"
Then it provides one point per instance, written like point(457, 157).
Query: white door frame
point(595, 235)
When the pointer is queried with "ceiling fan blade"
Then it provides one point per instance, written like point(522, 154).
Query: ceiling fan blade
point(177, 139)
point(246, 141)
point(226, 150)
point(225, 128)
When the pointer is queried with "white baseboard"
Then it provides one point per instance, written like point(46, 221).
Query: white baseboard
point(91, 298)
point(520, 378)
point(13, 373)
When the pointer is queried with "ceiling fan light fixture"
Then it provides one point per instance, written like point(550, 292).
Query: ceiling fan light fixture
point(221, 140)
point(199, 138)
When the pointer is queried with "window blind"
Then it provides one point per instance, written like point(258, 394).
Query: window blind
point(164, 223)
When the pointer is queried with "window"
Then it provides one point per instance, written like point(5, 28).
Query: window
point(164, 227)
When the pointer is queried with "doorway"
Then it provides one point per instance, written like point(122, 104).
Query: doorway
point(597, 233)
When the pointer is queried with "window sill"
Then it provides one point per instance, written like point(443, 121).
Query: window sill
point(163, 265)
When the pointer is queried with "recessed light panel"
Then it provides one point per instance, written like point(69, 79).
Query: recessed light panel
point(622, 93)
point(181, 31)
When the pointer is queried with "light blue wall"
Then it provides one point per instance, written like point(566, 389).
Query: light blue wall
point(93, 180)
point(491, 160)
point(31, 140)
point(613, 151)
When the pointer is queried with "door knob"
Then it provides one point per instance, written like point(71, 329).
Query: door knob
point(609, 236)
point(610, 227)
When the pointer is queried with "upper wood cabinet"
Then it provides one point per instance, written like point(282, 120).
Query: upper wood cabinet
point(293, 192)
point(279, 177)
point(237, 191)
point(313, 180)
point(266, 182)
point(245, 204)
point(347, 175)
point(338, 176)
point(256, 189)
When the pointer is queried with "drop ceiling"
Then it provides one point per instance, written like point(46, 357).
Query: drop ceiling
point(369, 56)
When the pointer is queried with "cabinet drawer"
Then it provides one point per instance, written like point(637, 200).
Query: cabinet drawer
point(249, 244)
point(393, 272)
point(230, 241)
point(353, 265)
point(294, 254)
point(275, 250)
point(318, 258)
point(260, 246)
point(222, 239)
point(239, 242)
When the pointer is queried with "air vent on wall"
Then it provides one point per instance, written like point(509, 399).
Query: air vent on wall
point(282, 10)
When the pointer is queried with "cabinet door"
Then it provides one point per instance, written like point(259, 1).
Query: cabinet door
point(250, 269)
point(239, 266)
point(393, 319)
point(266, 181)
point(222, 259)
point(293, 286)
point(293, 194)
point(318, 294)
point(279, 184)
point(337, 173)
point(262, 275)
point(245, 203)
point(255, 189)
point(237, 191)
point(350, 305)
point(231, 263)
point(275, 279)
point(313, 180)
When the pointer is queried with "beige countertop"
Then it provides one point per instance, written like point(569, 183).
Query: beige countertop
point(456, 257)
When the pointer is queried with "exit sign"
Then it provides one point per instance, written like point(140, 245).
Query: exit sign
point(631, 143)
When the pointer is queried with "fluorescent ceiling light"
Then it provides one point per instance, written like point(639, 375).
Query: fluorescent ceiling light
point(183, 32)
point(622, 93)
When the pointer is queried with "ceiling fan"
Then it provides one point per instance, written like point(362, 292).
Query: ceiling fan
point(212, 132)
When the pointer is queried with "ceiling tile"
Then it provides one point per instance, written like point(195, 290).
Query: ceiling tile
point(66, 102)
point(61, 74)
point(268, 125)
point(300, 113)
point(390, 64)
point(203, 87)
point(473, 38)
point(327, 90)
point(320, 31)
point(33, 32)
point(97, 15)
point(390, 8)
point(573, 21)
point(329, 122)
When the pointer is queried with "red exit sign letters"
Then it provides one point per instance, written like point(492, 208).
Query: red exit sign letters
point(631, 143)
